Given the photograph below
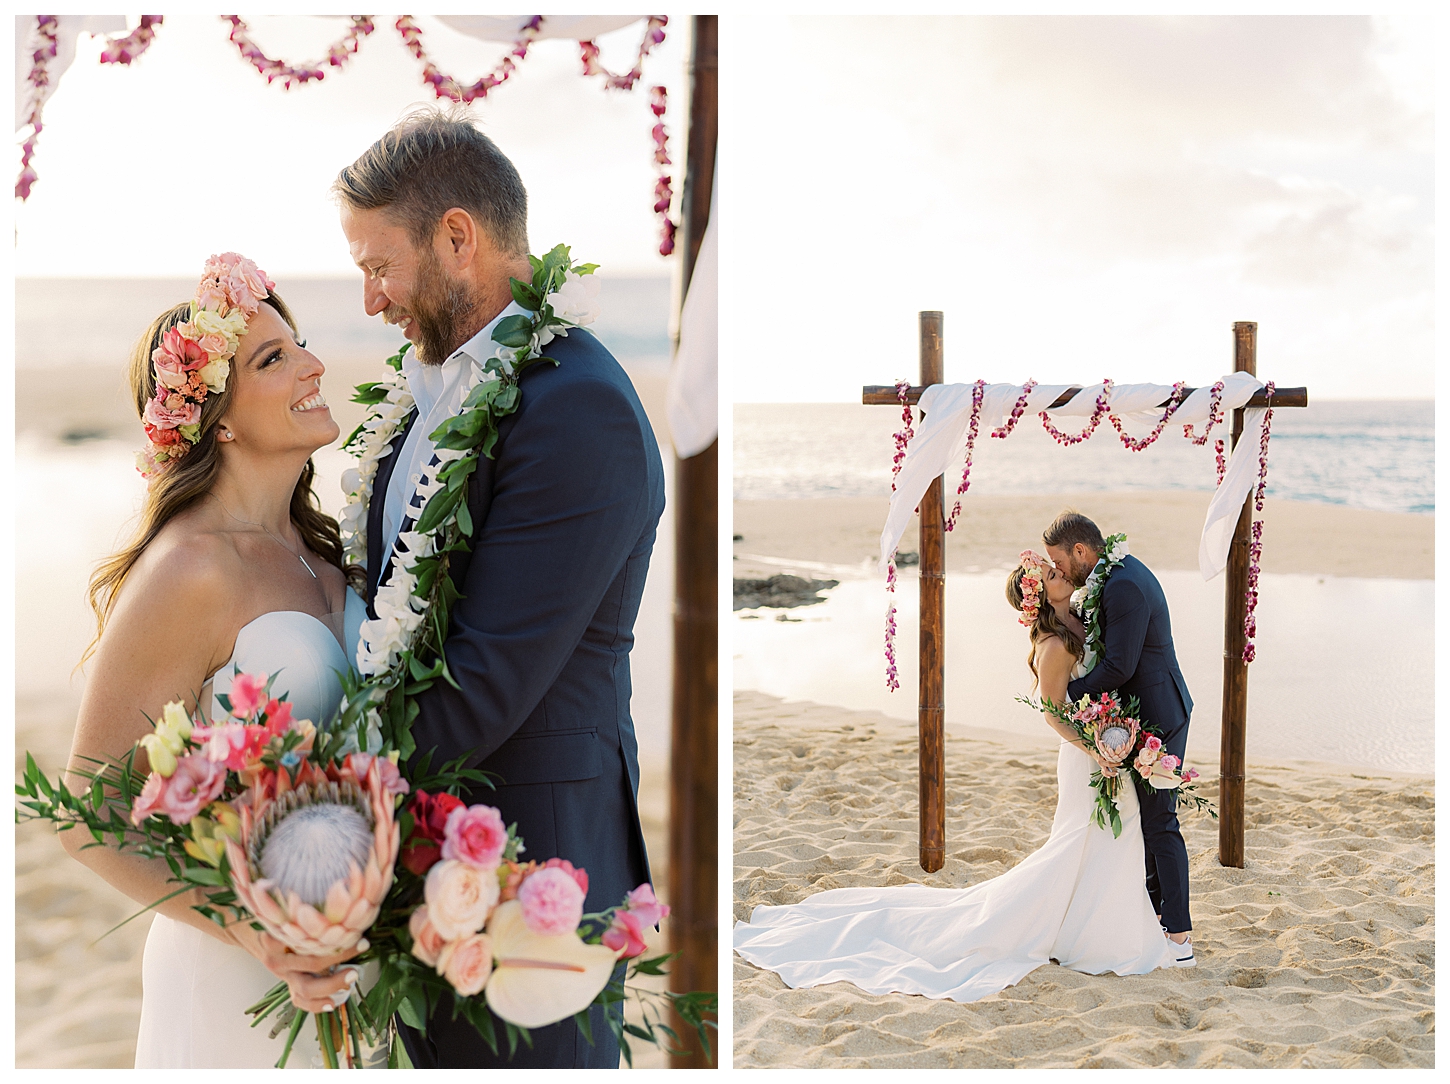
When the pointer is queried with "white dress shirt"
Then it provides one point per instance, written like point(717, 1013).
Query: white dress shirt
point(438, 391)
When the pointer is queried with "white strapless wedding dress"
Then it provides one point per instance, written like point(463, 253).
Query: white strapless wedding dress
point(1080, 899)
point(195, 988)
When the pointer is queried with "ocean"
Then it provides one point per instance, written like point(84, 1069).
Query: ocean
point(1377, 455)
point(99, 319)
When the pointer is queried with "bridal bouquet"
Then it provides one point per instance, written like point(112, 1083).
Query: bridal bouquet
point(1113, 731)
point(279, 824)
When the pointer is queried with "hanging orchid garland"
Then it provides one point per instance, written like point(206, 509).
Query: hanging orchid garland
point(39, 79)
point(446, 86)
point(126, 49)
point(338, 53)
point(1101, 410)
point(1256, 545)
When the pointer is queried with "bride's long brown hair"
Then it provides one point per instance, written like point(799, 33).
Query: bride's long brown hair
point(189, 479)
point(1047, 623)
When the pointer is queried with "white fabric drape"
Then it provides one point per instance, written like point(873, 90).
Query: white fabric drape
point(508, 27)
point(941, 441)
point(67, 28)
point(692, 399)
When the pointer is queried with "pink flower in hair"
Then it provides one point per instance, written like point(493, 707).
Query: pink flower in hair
point(163, 416)
point(179, 351)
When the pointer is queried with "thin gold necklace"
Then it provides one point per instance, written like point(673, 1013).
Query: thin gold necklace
point(270, 535)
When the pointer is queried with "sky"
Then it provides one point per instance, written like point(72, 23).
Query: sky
point(1083, 197)
point(147, 170)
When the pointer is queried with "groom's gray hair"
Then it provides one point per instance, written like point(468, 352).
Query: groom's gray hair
point(432, 160)
point(1070, 528)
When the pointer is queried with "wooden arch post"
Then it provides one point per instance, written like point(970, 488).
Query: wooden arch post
point(931, 702)
point(1233, 726)
point(931, 683)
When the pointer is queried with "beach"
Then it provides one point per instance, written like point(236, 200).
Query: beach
point(1319, 953)
point(78, 994)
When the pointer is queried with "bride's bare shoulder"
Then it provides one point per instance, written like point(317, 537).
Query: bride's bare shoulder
point(1051, 651)
point(186, 566)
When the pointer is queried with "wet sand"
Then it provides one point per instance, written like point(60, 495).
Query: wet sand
point(1320, 953)
point(842, 535)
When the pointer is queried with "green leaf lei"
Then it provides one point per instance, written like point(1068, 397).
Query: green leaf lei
point(1087, 599)
point(401, 655)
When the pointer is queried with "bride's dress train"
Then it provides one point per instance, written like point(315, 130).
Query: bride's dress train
point(1080, 900)
point(195, 988)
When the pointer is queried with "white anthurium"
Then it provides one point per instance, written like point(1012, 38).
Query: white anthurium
point(539, 980)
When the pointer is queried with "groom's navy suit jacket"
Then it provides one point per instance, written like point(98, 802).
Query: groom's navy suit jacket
point(565, 516)
point(1137, 650)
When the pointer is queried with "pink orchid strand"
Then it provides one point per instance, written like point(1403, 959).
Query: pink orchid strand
point(338, 53)
point(1256, 544)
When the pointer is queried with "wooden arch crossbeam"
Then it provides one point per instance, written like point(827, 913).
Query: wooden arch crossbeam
point(931, 699)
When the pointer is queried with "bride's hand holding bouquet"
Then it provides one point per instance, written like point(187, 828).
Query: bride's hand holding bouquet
point(311, 854)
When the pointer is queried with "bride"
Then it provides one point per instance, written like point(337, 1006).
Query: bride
point(234, 569)
point(1079, 900)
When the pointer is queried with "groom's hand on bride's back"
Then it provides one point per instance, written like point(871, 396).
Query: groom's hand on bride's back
point(316, 983)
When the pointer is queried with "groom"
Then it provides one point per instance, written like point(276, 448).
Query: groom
point(1138, 660)
point(566, 508)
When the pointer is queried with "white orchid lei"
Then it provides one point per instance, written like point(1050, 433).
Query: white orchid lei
point(1087, 600)
point(400, 652)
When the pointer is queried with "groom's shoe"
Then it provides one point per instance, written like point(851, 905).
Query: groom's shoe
point(1183, 954)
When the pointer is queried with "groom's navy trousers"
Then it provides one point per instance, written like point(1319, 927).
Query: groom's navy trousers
point(1138, 660)
point(565, 516)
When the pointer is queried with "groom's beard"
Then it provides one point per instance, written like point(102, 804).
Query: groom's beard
point(441, 308)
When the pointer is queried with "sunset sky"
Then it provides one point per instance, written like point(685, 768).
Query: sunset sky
point(1084, 197)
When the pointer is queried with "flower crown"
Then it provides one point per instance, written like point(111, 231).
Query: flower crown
point(1033, 566)
point(194, 357)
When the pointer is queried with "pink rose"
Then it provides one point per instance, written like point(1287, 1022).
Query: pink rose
point(248, 693)
point(1152, 742)
point(581, 878)
point(210, 295)
point(459, 898)
point(159, 415)
point(427, 943)
point(1170, 762)
point(467, 963)
point(475, 835)
point(626, 935)
point(642, 904)
point(552, 902)
point(215, 345)
point(357, 766)
point(196, 783)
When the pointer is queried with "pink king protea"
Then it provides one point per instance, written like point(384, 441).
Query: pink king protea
point(315, 863)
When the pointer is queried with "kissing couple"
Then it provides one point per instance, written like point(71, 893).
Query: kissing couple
point(1081, 900)
point(235, 570)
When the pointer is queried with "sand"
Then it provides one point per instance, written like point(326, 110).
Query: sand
point(1320, 953)
point(78, 999)
point(841, 535)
